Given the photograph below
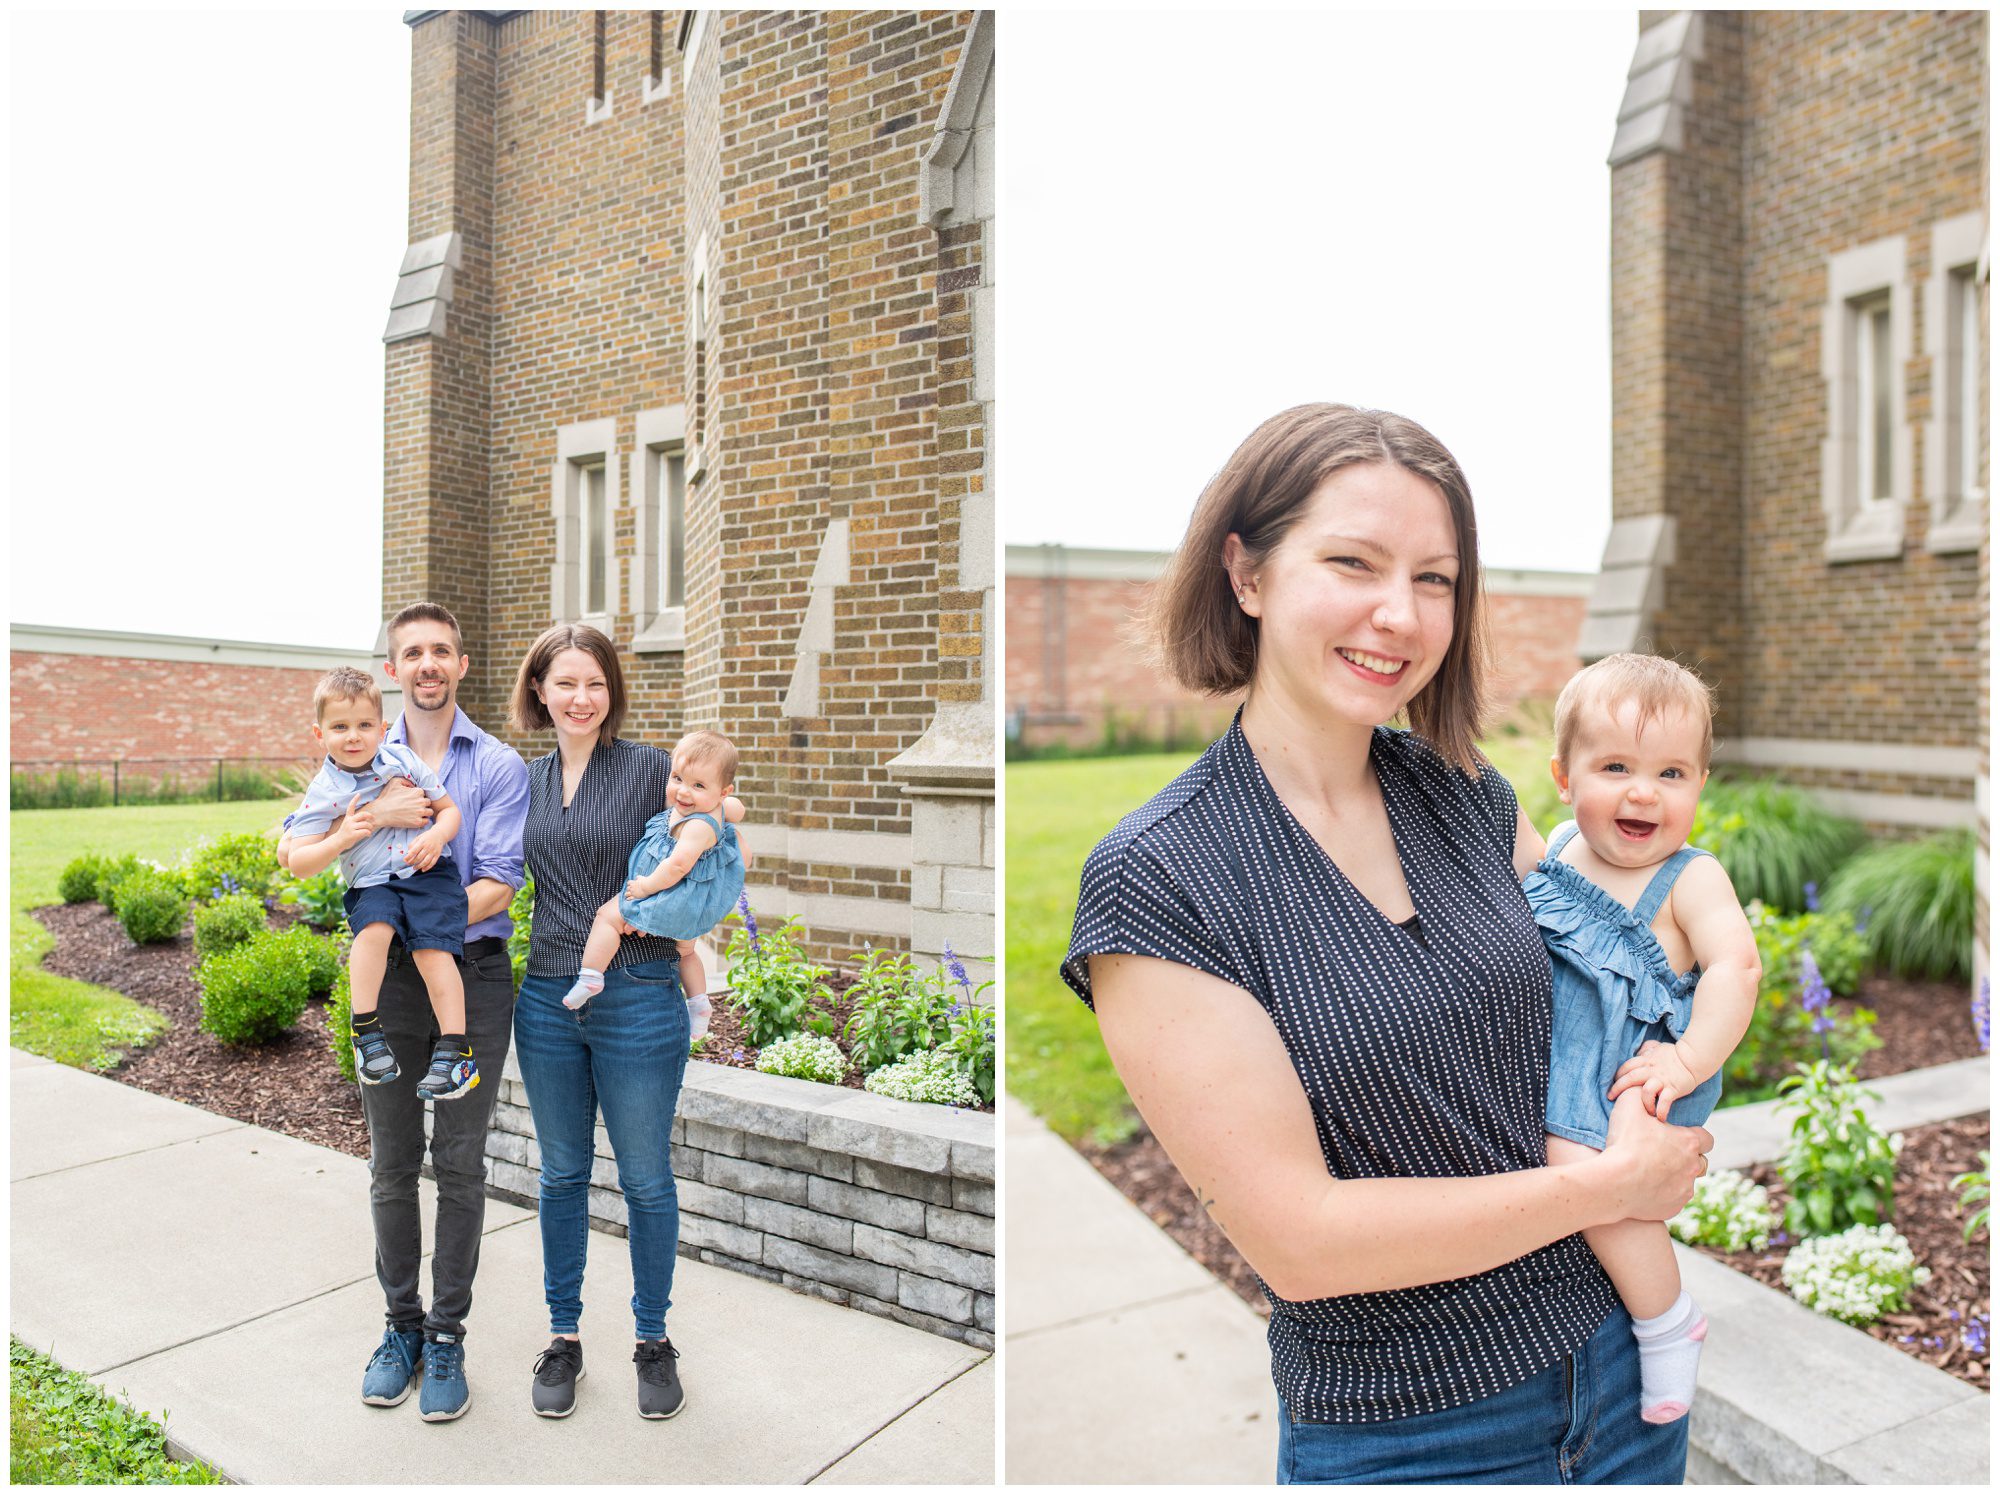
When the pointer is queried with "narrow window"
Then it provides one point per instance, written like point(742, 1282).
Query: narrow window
point(1874, 410)
point(1963, 410)
point(596, 541)
point(597, 57)
point(656, 64)
point(672, 479)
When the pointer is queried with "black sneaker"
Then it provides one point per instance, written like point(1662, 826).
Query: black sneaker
point(556, 1374)
point(452, 1074)
point(660, 1392)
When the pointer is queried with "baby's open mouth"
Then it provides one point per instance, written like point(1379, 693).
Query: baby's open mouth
point(1636, 830)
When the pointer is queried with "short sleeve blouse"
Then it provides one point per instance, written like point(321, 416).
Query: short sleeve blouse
point(1421, 1058)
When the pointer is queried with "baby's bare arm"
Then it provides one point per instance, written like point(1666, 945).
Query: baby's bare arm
point(1704, 905)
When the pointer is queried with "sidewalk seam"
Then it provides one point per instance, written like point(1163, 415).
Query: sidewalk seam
point(1184, 1292)
point(234, 1126)
point(870, 1437)
point(167, 1349)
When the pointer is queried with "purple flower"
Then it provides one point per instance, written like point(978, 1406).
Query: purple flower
point(1812, 897)
point(1815, 993)
point(957, 968)
point(1821, 1023)
point(736, 1053)
point(1982, 1013)
point(1975, 1334)
point(1779, 1238)
point(749, 919)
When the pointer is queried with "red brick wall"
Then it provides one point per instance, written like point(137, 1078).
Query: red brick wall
point(73, 706)
point(1103, 663)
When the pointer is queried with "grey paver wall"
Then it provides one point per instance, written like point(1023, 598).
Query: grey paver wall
point(881, 1205)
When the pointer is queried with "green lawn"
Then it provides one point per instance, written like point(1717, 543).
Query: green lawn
point(70, 1021)
point(63, 1430)
point(1056, 812)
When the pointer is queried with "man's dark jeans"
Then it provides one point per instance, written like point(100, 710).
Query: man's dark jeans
point(458, 1143)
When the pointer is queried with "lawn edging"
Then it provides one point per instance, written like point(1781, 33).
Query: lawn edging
point(1789, 1396)
point(882, 1205)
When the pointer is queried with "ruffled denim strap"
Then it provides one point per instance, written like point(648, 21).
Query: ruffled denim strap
point(1663, 884)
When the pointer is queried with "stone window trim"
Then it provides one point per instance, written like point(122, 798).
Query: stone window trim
point(658, 81)
point(698, 290)
point(580, 447)
point(1864, 528)
point(694, 26)
point(659, 432)
point(1958, 270)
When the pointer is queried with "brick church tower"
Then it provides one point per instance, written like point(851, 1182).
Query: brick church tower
point(693, 341)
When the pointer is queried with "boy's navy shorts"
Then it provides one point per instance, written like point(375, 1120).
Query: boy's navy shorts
point(426, 909)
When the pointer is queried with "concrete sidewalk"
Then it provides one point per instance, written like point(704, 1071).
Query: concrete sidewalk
point(220, 1276)
point(1128, 1363)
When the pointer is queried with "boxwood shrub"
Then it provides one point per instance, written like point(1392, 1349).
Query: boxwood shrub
point(246, 862)
point(151, 908)
point(340, 1025)
point(227, 921)
point(111, 874)
point(78, 883)
point(252, 992)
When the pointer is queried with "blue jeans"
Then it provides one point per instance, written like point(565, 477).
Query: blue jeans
point(1576, 1423)
point(625, 1051)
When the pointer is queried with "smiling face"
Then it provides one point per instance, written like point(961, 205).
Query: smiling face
point(576, 694)
point(1634, 788)
point(424, 659)
point(696, 786)
point(350, 731)
point(1355, 605)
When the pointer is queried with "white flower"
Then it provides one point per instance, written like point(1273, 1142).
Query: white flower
point(1728, 1212)
point(804, 1056)
point(932, 1075)
point(1856, 1276)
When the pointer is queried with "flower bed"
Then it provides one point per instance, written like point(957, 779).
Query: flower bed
point(1945, 1321)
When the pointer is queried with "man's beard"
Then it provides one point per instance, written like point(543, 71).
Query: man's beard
point(443, 684)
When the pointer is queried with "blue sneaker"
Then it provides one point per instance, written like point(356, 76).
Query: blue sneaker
point(374, 1063)
point(393, 1371)
point(445, 1394)
point(452, 1074)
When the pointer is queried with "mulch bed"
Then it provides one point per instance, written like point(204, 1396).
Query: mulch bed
point(1920, 1023)
point(1933, 1327)
point(288, 1085)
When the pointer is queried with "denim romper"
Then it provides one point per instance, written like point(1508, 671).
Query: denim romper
point(1613, 990)
point(700, 900)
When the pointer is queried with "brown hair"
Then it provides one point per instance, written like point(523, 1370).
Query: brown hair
point(345, 683)
point(1658, 685)
point(703, 746)
point(1206, 642)
point(427, 612)
point(527, 711)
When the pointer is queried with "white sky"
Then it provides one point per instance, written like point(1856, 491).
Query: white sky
point(206, 212)
point(1205, 220)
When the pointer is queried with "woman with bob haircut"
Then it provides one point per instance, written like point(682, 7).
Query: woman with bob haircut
point(1315, 971)
point(626, 1052)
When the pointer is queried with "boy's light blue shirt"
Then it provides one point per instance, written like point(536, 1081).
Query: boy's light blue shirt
point(380, 857)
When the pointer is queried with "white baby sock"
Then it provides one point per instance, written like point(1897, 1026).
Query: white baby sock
point(698, 1010)
point(1669, 1350)
point(588, 984)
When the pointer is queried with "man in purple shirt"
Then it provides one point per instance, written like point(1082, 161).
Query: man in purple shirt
point(488, 781)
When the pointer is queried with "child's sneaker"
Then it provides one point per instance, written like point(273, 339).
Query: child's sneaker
point(374, 1062)
point(452, 1074)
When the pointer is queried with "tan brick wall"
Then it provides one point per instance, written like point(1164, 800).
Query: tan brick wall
point(791, 144)
point(1810, 133)
point(1084, 632)
point(72, 706)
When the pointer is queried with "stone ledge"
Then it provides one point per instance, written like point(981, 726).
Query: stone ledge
point(874, 1203)
point(1791, 1397)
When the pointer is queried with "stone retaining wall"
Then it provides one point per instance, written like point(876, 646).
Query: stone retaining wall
point(877, 1204)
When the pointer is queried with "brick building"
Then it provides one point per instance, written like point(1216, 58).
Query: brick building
point(1076, 666)
point(159, 704)
point(693, 341)
point(1799, 362)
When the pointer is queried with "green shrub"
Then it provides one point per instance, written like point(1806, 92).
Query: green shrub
point(1918, 899)
point(1840, 1170)
point(151, 908)
point(252, 992)
point(316, 955)
point(78, 883)
point(931, 1076)
point(111, 874)
point(804, 1056)
point(1772, 839)
point(246, 862)
point(340, 1024)
point(971, 1045)
point(228, 921)
point(773, 989)
point(522, 912)
point(1791, 1026)
point(319, 899)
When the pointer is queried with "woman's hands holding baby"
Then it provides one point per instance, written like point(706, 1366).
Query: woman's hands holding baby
point(1655, 1164)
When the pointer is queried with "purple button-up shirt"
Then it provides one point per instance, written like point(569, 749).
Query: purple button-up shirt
point(488, 782)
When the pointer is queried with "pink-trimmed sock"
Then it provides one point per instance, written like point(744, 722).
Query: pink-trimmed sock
point(588, 984)
point(1669, 1351)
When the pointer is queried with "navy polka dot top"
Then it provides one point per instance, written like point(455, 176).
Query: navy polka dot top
point(1422, 1056)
